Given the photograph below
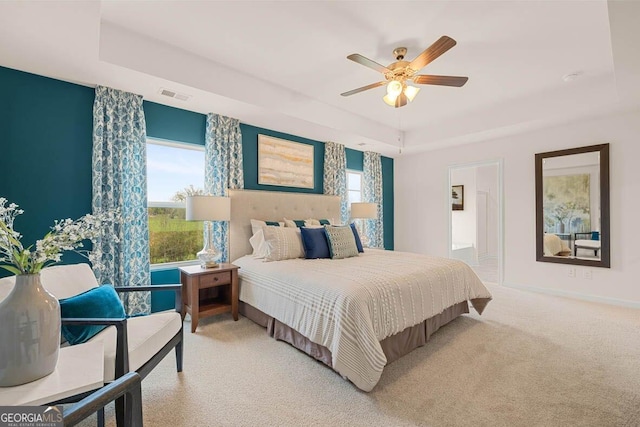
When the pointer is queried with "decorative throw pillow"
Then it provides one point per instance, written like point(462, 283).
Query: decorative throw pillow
point(313, 221)
point(342, 243)
point(314, 241)
point(294, 223)
point(257, 224)
point(357, 236)
point(259, 245)
point(101, 302)
point(283, 243)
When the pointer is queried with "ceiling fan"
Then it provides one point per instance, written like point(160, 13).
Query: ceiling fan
point(397, 74)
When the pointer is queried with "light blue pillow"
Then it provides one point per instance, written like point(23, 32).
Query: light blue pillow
point(101, 302)
point(342, 242)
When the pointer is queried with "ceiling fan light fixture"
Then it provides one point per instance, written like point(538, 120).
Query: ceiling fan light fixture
point(394, 88)
point(390, 100)
point(411, 92)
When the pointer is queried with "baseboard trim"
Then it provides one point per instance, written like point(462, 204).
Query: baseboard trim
point(576, 295)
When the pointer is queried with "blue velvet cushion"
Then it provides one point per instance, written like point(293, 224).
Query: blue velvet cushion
point(101, 302)
point(357, 236)
point(314, 241)
point(324, 222)
point(273, 223)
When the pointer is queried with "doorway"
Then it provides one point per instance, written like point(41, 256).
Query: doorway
point(476, 221)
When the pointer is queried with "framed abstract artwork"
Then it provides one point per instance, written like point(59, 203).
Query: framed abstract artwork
point(284, 163)
point(457, 197)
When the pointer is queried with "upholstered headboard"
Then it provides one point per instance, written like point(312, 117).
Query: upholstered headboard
point(273, 206)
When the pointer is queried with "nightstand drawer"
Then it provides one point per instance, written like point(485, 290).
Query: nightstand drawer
point(217, 279)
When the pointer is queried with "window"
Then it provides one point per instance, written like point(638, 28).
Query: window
point(174, 171)
point(354, 186)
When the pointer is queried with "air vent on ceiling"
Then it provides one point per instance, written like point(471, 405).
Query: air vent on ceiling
point(173, 94)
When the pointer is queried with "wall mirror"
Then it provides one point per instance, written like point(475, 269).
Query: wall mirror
point(572, 206)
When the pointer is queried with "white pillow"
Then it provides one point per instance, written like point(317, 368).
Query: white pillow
point(283, 243)
point(259, 245)
point(257, 224)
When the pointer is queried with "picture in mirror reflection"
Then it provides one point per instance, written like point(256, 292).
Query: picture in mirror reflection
point(571, 205)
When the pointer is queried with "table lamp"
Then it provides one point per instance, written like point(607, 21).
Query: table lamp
point(207, 209)
point(364, 211)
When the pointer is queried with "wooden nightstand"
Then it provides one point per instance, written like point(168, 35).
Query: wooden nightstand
point(209, 291)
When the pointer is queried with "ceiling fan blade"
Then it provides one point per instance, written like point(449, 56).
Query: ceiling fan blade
point(440, 80)
point(441, 45)
point(363, 88)
point(356, 57)
point(401, 100)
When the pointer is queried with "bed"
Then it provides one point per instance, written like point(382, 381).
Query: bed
point(357, 314)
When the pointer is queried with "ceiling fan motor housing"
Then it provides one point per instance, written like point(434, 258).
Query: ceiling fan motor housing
point(399, 71)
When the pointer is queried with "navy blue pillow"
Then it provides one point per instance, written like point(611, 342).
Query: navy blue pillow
point(314, 241)
point(101, 302)
point(357, 236)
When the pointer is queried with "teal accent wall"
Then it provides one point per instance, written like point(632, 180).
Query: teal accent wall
point(174, 124)
point(250, 159)
point(387, 201)
point(355, 159)
point(46, 130)
point(46, 142)
point(164, 300)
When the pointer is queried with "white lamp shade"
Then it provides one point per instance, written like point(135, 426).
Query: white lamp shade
point(208, 208)
point(411, 92)
point(364, 210)
point(389, 100)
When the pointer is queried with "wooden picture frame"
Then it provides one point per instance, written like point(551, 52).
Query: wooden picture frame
point(285, 163)
point(457, 197)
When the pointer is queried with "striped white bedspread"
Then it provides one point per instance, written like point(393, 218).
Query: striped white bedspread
point(350, 305)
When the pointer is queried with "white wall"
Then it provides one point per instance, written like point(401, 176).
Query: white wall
point(421, 222)
point(487, 181)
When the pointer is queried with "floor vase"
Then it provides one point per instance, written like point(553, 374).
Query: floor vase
point(29, 332)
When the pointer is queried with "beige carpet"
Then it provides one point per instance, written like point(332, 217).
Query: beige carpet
point(530, 360)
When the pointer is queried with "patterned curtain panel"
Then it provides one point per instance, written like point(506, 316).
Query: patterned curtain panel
point(222, 168)
point(120, 182)
point(335, 176)
point(373, 194)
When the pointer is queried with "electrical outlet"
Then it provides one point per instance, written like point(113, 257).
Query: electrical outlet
point(571, 272)
point(587, 274)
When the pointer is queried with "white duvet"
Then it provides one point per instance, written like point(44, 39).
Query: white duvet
point(350, 305)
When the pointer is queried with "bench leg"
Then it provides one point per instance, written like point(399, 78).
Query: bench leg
point(179, 356)
point(120, 411)
point(100, 415)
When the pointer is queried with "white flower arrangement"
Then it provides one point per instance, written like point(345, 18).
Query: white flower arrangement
point(65, 235)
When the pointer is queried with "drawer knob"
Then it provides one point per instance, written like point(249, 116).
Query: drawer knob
point(215, 279)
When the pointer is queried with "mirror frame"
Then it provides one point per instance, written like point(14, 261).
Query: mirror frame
point(605, 232)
